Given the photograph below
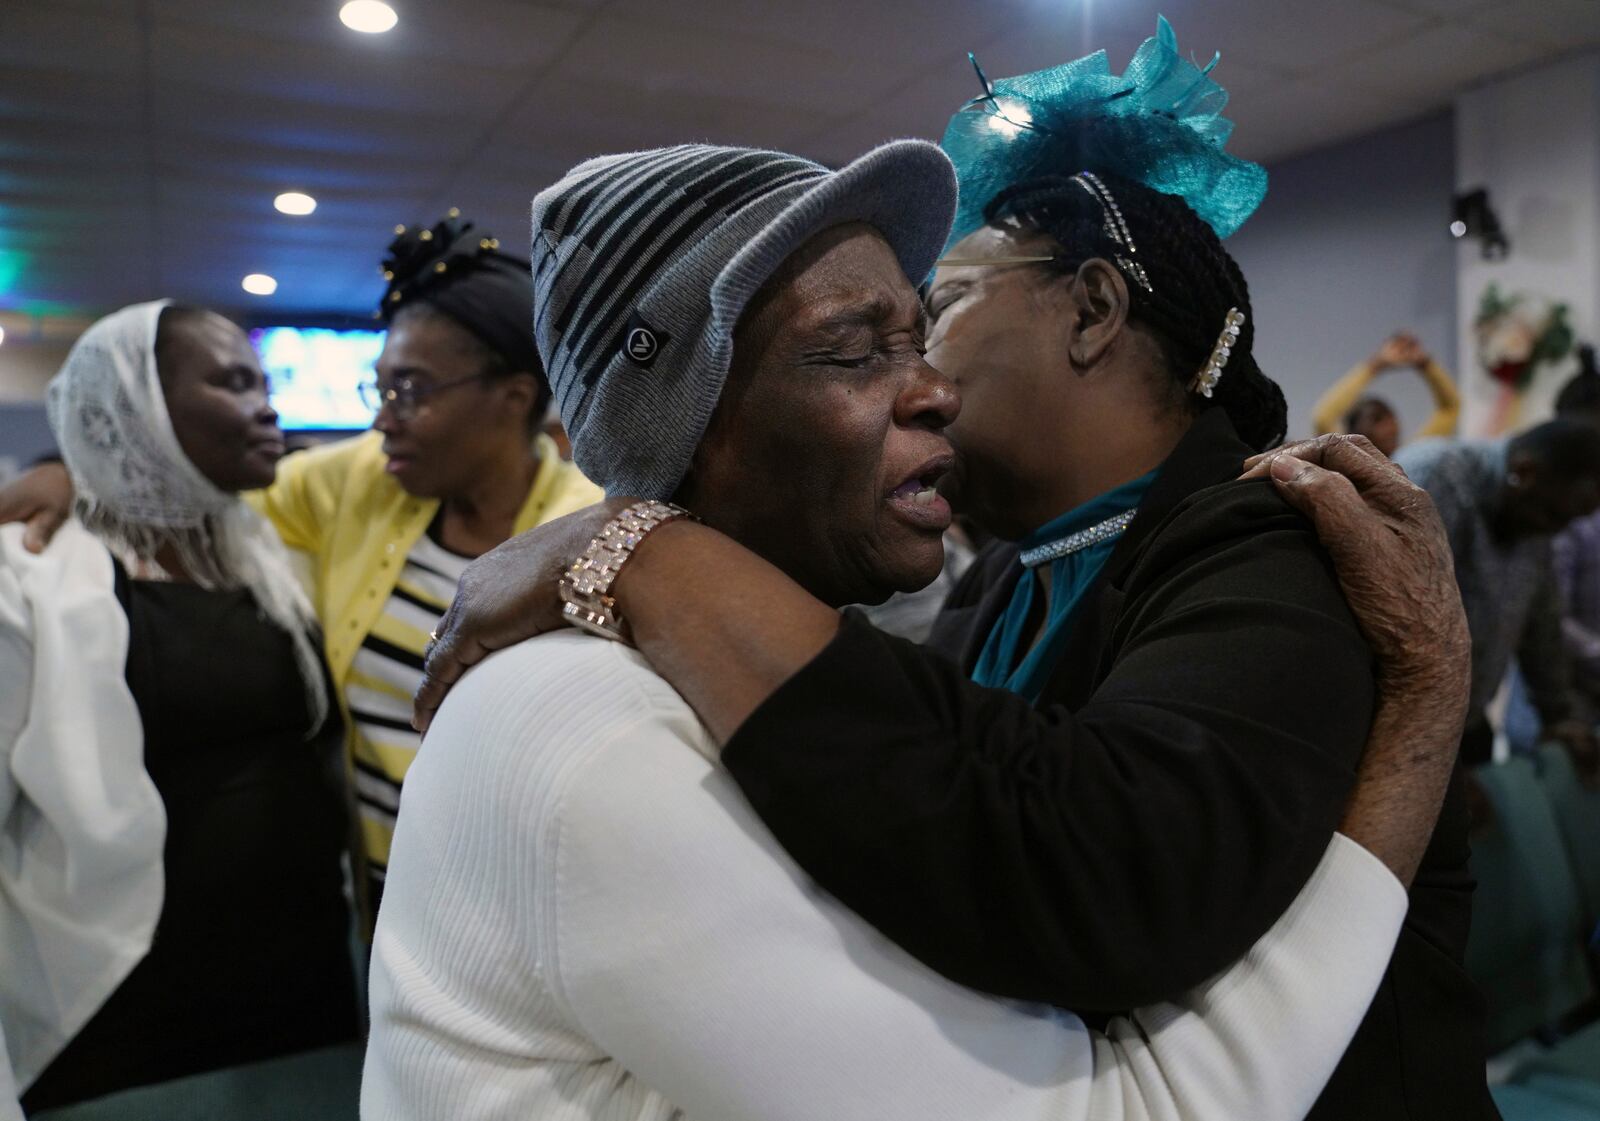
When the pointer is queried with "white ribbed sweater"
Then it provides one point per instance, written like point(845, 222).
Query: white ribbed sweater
point(583, 919)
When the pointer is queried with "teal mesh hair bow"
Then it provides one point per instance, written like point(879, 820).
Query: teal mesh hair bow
point(1158, 123)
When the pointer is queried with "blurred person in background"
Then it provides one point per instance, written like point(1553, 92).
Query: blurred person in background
point(1575, 556)
point(455, 464)
point(1575, 553)
point(1503, 501)
point(173, 794)
point(1346, 406)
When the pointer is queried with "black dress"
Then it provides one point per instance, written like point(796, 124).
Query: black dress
point(251, 957)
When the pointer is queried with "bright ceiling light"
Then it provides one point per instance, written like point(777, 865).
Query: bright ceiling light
point(1458, 228)
point(293, 202)
point(2, 336)
point(259, 284)
point(371, 16)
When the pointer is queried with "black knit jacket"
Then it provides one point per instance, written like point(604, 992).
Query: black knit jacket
point(1142, 827)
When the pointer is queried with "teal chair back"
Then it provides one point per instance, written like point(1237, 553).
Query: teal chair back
point(1577, 810)
point(1526, 949)
point(320, 1085)
point(1545, 1102)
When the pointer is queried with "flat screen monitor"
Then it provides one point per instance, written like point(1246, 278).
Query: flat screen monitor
point(315, 373)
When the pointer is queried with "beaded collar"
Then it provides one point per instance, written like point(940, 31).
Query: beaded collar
point(1079, 541)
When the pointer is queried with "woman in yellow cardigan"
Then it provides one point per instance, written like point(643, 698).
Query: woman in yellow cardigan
point(454, 465)
point(1347, 407)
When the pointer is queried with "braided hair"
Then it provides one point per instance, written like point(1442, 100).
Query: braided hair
point(1195, 283)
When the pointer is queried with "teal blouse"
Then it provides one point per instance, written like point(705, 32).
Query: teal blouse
point(1070, 577)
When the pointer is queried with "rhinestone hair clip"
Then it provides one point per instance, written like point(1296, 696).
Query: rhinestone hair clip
point(1116, 227)
point(1205, 382)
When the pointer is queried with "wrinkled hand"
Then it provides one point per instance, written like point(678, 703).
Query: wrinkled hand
point(42, 498)
point(1390, 551)
point(1581, 744)
point(1394, 566)
point(507, 595)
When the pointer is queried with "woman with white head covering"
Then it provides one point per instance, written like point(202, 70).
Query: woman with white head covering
point(171, 896)
point(454, 465)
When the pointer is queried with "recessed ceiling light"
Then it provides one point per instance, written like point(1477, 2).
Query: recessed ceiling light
point(259, 284)
point(370, 16)
point(293, 202)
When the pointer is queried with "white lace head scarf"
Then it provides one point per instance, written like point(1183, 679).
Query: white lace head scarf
point(138, 492)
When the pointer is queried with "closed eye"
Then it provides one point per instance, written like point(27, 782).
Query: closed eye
point(854, 363)
point(237, 379)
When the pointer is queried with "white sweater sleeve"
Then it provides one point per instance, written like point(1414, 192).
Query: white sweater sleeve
point(686, 944)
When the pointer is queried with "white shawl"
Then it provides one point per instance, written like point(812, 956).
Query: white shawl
point(138, 491)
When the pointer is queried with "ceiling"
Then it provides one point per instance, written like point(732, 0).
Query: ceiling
point(142, 141)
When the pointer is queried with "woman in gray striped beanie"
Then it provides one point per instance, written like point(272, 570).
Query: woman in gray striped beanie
point(584, 918)
point(658, 274)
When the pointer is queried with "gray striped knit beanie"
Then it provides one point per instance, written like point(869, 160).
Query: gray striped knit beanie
point(643, 263)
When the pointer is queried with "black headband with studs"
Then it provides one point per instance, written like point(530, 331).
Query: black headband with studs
point(461, 271)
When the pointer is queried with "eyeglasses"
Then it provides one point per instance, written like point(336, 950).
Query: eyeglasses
point(926, 288)
point(964, 262)
point(404, 396)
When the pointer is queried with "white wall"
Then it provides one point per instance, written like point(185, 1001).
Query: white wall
point(1350, 245)
point(1534, 141)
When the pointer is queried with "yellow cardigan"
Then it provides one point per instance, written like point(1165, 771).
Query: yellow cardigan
point(337, 505)
point(1331, 408)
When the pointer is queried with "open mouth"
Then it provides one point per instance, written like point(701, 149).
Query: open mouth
point(920, 491)
point(917, 498)
point(923, 487)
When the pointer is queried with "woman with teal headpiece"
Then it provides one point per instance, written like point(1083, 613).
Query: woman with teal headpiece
point(1158, 696)
point(1087, 306)
point(1058, 169)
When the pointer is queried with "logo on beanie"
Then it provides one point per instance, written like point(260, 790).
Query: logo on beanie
point(642, 345)
point(642, 342)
